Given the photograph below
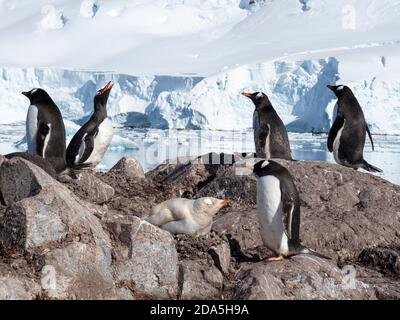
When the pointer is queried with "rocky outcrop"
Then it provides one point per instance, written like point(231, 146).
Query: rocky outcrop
point(129, 167)
point(78, 271)
point(41, 211)
point(89, 187)
point(147, 259)
point(300, 278)
point(15, 288)
point(85, 238)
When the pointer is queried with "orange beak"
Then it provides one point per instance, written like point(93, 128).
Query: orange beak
point(247, 94)
point(107, 87)
point(225, 202)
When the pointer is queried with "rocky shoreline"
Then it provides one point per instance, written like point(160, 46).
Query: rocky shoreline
point(85, 238)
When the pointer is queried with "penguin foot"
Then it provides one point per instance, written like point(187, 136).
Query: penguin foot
point(274, 259)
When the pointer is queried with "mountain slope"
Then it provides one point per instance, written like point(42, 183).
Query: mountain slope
point(209, 51)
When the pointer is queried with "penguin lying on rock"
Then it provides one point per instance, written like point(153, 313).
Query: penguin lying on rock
point(278, 206)
point(186, 216)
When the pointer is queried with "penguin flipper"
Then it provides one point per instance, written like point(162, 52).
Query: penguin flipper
point(337, 125)
point(370, 138)
point(86, 147)
point(291, 209)
point(261, 141)
point(370, 168)
point(161, 217)
point(43, 132)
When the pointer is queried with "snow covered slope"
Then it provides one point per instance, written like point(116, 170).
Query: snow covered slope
point(188, 60)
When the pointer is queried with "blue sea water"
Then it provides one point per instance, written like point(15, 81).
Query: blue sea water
point(152, 147)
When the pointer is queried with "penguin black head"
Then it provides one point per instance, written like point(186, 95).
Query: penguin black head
point(340, 91)
point(101, 98)
point(259, 99)
point(260, 167)
point(37, 96)
point(268, 167)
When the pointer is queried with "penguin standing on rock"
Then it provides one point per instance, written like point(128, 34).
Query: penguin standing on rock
point(90, 143)
point(270, 135)
point(45, 131)
point(347, 136)
point(278, 207)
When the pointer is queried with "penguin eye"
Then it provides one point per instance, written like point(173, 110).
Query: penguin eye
point(340, 88)
point(259, 95)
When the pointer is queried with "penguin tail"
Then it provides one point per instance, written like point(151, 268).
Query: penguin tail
point(68, 172)
point(370, 168)
point(306, 250)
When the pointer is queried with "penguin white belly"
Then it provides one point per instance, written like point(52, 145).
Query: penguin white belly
point(269, 207)
point(32, 128)
point(267, 148)
point(185, 226)
point(336, 144)
point(101, 142)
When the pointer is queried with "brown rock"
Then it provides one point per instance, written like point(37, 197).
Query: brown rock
point(150, 261)
point(129, 167)
point(45, 211)
point(200, 281)
point(221, 255)
point(42, 163)
point(17, 288)
point(91, 188)
point(78, 271)
point(300, 278)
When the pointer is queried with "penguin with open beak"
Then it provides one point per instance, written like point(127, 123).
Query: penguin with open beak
point(88, 146)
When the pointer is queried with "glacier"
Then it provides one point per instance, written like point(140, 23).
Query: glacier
point(297, 90)
point(183, 64)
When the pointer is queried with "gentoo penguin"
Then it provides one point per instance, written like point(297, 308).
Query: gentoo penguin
point(270, 135)
point(347, 136)
point(278, 207)
point(90, 143)
point(45, 130)
point(186, 216)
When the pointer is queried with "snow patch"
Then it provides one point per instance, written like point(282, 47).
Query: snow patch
point(89, 8)
point(53, 18)
point(7, 4)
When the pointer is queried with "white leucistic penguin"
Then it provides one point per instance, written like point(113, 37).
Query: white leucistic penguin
point(186, 216)
point(278, 207)
point(45, 131)
point(90, 143)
